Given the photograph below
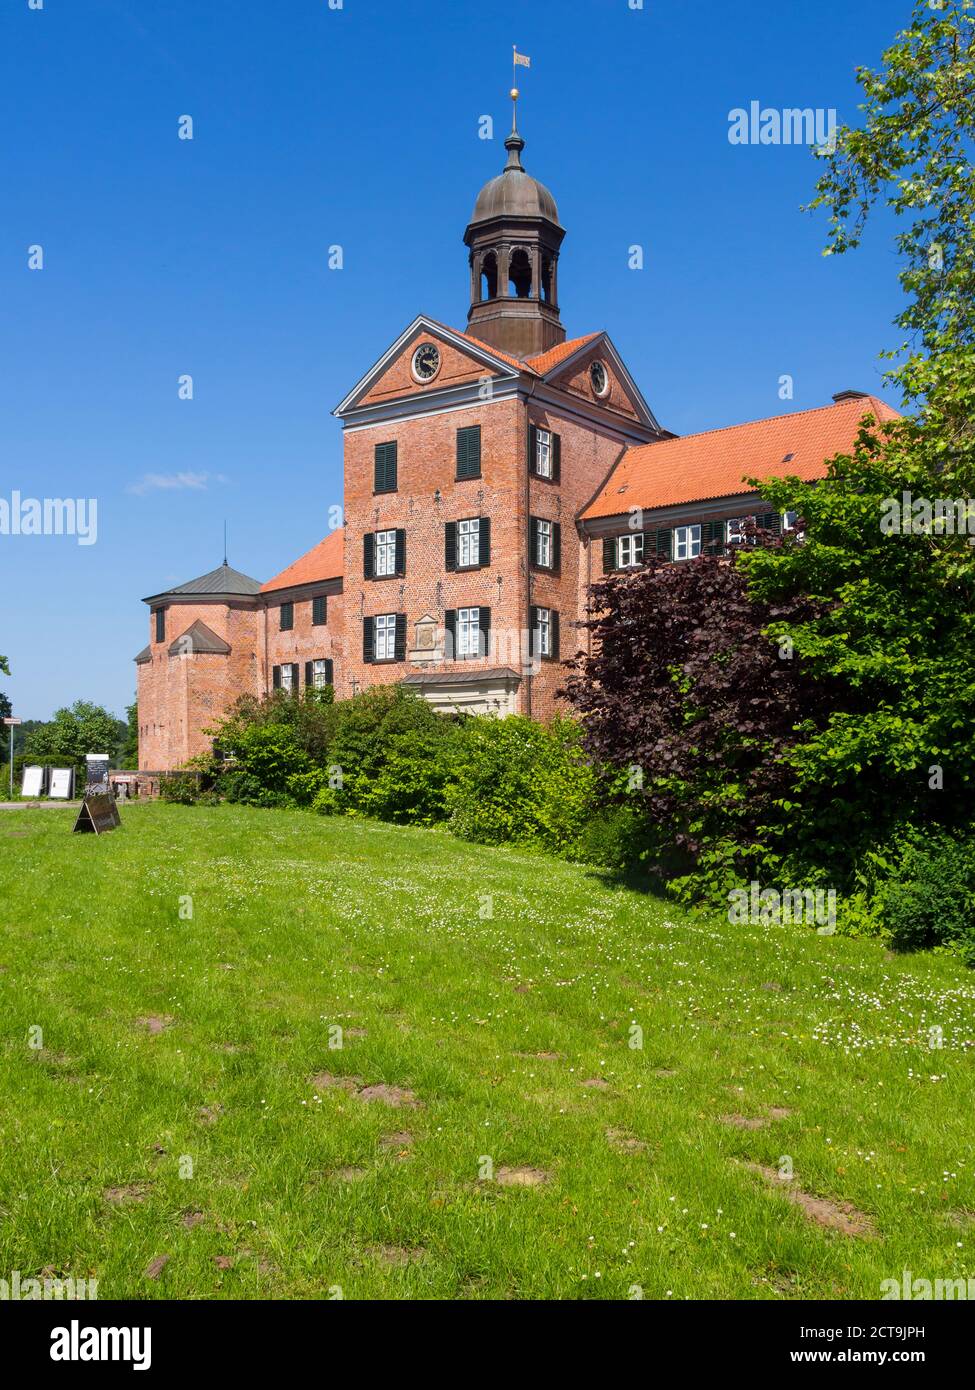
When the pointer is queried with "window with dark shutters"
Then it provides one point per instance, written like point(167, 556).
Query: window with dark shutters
point(400, 637)
point(483, 631)
point(556, 546)
point(275, 677)
point(484, 542)
point(609, 554)
point(450, 546)
point(319, 610)
point(450, 631)
point(556, 458)
point(663, 544)
point(368, 639)
point(469, 452)
point(368, 555)
point(554, 620)
point(309, 675)
point(385, 478)
point(400, 554)
point(287, 612)
point(329, 671)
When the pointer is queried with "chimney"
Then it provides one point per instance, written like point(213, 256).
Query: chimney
point(850, 396)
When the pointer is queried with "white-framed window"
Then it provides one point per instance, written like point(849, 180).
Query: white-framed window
point(385, 637)
point(544, 556)
point(687, 542)
point(543, 453)
point(319, 673)
point(385, 552)
point(735, 530)
point(286, 676)
point(543, 619)
point(629, 550)
point(789, 520)
point(468, 542)
point(468, 631)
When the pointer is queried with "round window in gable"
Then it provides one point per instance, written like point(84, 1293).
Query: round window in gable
point(426, 362)
point(599, 377)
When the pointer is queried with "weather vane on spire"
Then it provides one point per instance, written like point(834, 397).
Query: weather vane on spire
point(518, 60)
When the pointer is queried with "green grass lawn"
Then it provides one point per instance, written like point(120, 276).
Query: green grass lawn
point(171, 1110)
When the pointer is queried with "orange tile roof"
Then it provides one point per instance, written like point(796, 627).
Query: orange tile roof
point(485, 347)
point(545, 361)
point(324, 561)
point(696, 467)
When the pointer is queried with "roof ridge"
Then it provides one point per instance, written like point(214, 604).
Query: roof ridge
point(764, 420)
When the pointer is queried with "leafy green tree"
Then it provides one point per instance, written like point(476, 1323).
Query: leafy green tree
point(130, 748)
point(5, 709)
point(913, 153)
point(74, 732)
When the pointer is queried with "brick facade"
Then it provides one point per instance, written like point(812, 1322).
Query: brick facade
point(613, 470)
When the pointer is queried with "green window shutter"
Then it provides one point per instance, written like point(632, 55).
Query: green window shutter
point(275, 677)
point(287, 614)
point(664, 547)
point(532, 449)
point(450, 545)
point(368, 555)
point(368, 639)
point(294, 677)
point(309, 675)
point(450, 628)
point(533, 540)
point(400, 553)
point(532, 631)
point(556, 458)
point(385, 465)
point(469, 452)
point(329, 671)
point(484, 631)
point(319, 610)
point(556, 546)
point(609, 554)
point(484, 541)
point(554, 621)
point(400, 650)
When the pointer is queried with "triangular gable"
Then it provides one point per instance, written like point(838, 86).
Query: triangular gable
point(198, 638)
point(567, 369)
point(463, 359)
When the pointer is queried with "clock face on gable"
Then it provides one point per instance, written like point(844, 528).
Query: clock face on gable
point(426, 362)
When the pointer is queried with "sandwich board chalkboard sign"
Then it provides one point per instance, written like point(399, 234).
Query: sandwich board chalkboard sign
point(98, 813)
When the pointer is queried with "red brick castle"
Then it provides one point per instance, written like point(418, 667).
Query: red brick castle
point(491, 476)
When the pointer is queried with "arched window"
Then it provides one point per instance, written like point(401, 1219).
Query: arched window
point(520, 275)
point(546, 278)
point(489, 276)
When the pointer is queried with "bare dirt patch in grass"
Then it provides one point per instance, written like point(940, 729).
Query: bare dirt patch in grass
point(154, 1024)
point(596, 1083)
point(210, 1114)
point(395, 1096)
point(834, 1216)
point(396, 1256)
point(398, 1143)
point(128, 1192)
point(743, 1121)
point(324, 1081)
point(155, 1267)
point(191, 1219)
point(628, 1143)
point(349, 1174)
point(522, 1177)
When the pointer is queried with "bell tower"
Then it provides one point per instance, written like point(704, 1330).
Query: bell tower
point(514, 238)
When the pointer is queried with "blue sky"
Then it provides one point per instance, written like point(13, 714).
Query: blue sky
point(359, 127)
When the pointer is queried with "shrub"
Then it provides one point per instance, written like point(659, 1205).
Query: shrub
point(930, 898)
point(521, 781)
point(181, 787)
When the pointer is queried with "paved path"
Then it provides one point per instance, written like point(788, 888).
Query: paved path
point(35, 805)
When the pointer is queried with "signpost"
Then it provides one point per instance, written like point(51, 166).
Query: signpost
point(11, 722)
